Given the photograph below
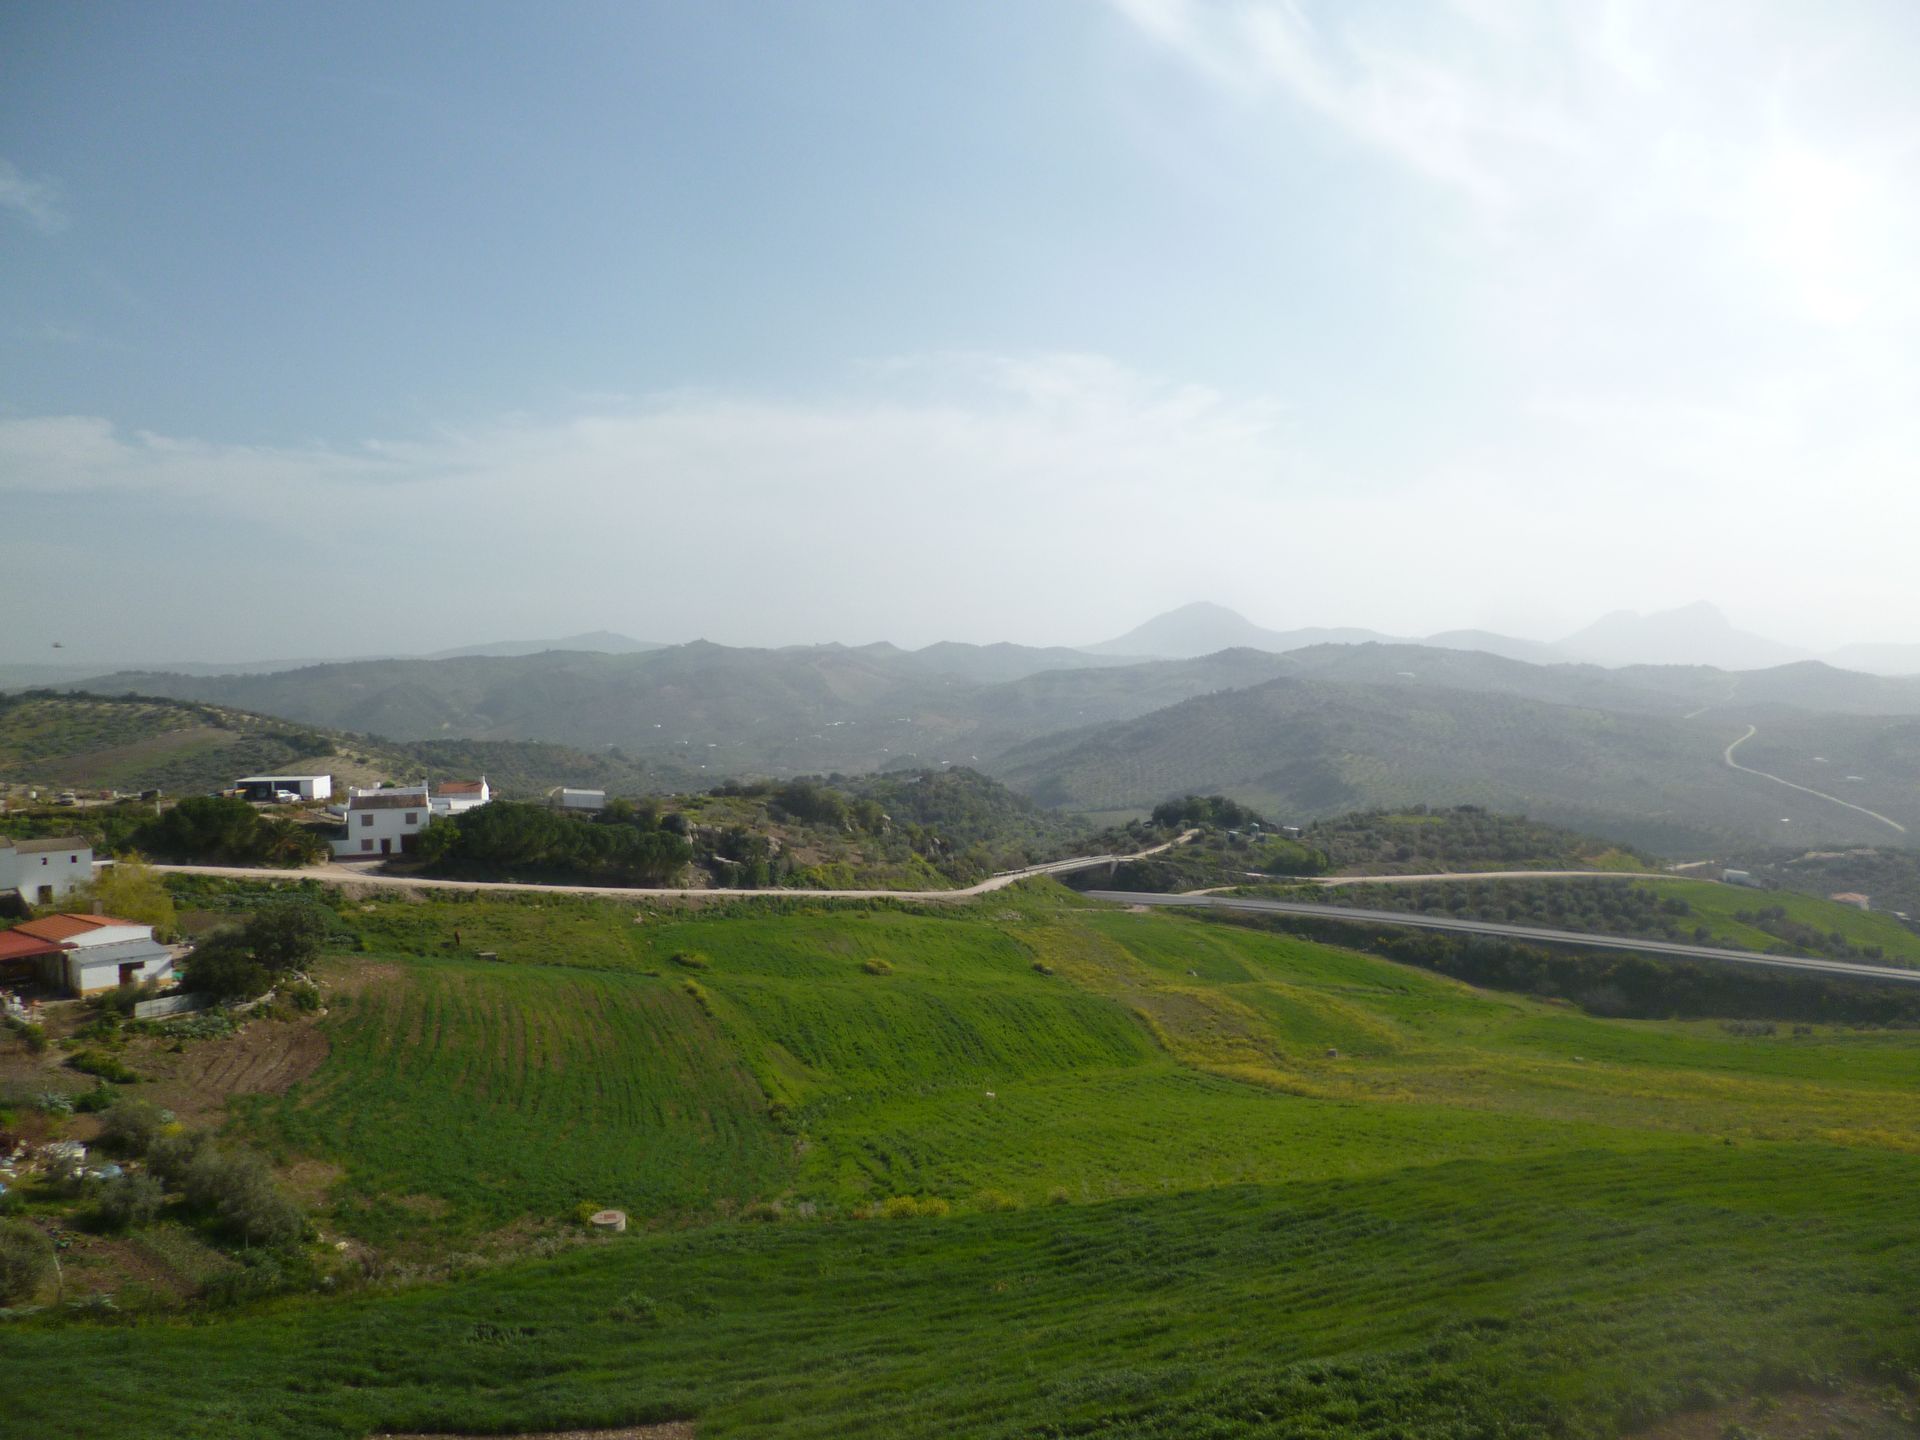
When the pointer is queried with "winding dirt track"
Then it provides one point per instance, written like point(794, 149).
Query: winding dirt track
point(1753, 730)
point(347, 875)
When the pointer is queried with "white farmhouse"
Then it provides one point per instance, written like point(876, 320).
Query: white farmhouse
point(86, 953)
point(44, 870)
point(383, 822)
point(454, 797)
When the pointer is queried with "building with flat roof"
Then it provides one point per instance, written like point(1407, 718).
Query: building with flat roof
point(270, 787)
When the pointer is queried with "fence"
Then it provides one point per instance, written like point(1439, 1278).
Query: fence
point(168, 1005)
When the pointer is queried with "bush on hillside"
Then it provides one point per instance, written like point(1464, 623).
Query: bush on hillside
point(26, 1262)
point(130, 1127)
point(129, 1200)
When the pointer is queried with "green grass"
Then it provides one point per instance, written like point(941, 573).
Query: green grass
point(493, 1092)
point(1482, 1215)
point(1717, 905)
point(1571, 1294)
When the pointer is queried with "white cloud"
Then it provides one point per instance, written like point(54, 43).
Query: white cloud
point(34, 200)
point(1046, 499)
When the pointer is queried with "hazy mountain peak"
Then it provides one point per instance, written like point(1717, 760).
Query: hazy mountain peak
point(1696, 634)
point(1203, 627)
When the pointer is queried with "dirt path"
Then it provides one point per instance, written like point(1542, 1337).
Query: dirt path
point(331, 874)
point(1753, 730)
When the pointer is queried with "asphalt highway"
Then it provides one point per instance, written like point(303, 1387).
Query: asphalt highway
point(1851, 969)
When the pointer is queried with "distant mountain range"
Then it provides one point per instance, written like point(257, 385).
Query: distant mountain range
point(1633, 752)
point(1692, 635)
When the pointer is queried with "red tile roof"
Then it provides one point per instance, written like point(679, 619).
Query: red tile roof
point(65, 927)
point(15, 946)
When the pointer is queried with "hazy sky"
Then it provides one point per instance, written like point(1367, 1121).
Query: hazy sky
point(352, 328)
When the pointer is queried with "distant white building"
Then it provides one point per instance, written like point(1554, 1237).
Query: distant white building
point(87, 953)
point(44, 870)
point(583, 800)
point(455, 797)
point(271, 787)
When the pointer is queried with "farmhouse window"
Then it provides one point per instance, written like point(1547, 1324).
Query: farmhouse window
point(366, 844)
point(413, 817)
point(366, 820)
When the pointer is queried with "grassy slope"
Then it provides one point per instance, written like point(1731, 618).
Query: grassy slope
point(1301, 749)
point(1482, 1212)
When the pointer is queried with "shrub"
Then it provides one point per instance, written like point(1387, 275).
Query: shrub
point(26, 1261)
point(101, 1097)
point(584, 1212)
point(1059, 1195)
point(171, 1156)
point(876, 966)
point(303, 995)
point(223, 967)
point(692, 959)
point(105, 1065)
point(237, 1187)
point(765, 1211)
point(287, 934)
point(131, 1126)
point(32, 1035)
point(129, 1200)
point(908, 1207)
point(996, 1200)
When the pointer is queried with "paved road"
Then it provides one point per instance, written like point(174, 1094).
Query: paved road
point(1479, 875)
point(1753, 730)
point(348, 875)
point(1848, 968)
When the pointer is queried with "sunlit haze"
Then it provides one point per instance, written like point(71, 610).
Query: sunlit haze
point(373, 330)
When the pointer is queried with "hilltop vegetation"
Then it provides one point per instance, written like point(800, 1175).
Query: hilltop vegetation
point(1299, 749)
point(1634, 752)
point(1202, 1178)
point(132, 742)
point(1461, 837)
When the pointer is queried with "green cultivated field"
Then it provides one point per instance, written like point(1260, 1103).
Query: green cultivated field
point(1202, 1181)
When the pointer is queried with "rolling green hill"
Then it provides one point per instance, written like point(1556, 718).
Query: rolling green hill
point(1631, 754)
point(1024, 1167)
point(65, 740)
point(1302, 749)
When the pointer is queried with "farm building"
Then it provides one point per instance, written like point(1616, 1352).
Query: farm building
point(86, 953)
point(44, 870)
point(1853, 898)
point(451, 797)
point(383, 822)
point(270, 787)
point(586, 800)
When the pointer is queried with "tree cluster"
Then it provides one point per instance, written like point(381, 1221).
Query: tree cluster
point(225, 830)
point(282, 937)
point(629, 847)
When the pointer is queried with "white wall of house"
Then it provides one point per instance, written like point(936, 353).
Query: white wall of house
point(372, 833)
point(42, 876)
point(91, 965)
point(458, 804)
